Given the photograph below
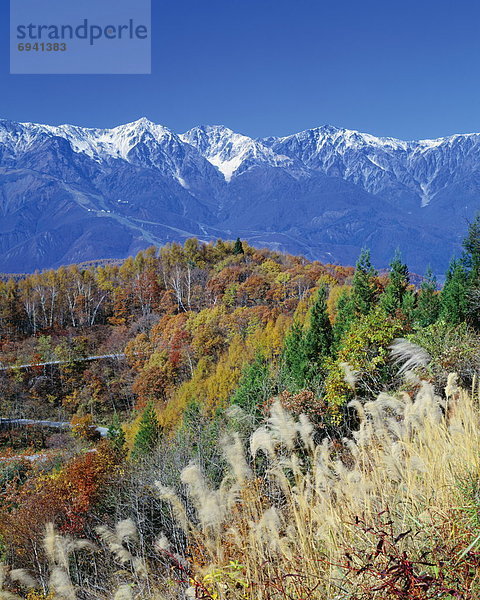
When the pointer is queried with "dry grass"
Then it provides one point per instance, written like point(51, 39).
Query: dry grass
point(289, 531)
point(296, 518)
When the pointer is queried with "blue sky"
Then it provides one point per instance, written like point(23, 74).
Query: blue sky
point(273, 67)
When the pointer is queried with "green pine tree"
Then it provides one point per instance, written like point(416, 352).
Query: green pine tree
point(344, 318)
point(471, 245)
point(364, 289)
point(392, 298)
point(238, 247)
point(318, 338)
point(293, 363)
point(453, 299)
point(254, 387)
point(148, 433)
point(305, 351)
point(428, 301)
point(409, 303)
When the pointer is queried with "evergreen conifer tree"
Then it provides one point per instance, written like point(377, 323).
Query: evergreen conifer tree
point(148, 433)
point(344, 318)
point(471, 245)
point(409, 303)
point(254, 387)
point(428, 303)
point(392, 298)
point(363, 291)
point(293, 363)
point(238, 247)
point(304, 352)
point(318, 338)
point(453, 301)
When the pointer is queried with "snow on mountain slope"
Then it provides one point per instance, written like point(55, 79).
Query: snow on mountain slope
point(233, 153)
point(114, 143)
point(408, 173)
point(72, 193)
point(402, 171)
point(142, 143)
point(96, 143)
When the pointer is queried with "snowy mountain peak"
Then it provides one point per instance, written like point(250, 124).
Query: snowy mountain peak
point(329, 134)
point(117, 142)
point(99, 144)
point(233, 153)
point(412, 171)
point(70, 193)
point(143, 122)
point(140, 127)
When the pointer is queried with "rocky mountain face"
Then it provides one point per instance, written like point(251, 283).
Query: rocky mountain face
point(72, 194)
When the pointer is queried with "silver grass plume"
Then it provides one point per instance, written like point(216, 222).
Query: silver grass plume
point(162, 544)
point(3, 574)
point(49, 542)
point(22, 577)
point(5, 594)
point(427, 406)
point(61, 584)
point(391, 404)
point(178, 509)
point(233, 452)
point(306, 430)
point(282, 425)
point(124, 592)
point(322, 472)
point(209, 503)
point(140, 567)
point(451, 389)
point(122, 554)
point(350, 376)
point(417, 464)
point(58, 549)
point(408, 356)
point(268, 528)
point(114, 544)
point(125, 531)
point(261, 439)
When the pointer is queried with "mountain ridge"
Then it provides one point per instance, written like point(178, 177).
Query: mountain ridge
point(70, 193)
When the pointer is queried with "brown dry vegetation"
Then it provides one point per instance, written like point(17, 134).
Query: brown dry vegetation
point(391, 513)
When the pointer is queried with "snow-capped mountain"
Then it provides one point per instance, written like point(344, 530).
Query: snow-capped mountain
point(141, 143)
point(403, 171)
point(233, 153)
point(70, 193)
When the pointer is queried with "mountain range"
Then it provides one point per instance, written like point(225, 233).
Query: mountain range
point(73, 194)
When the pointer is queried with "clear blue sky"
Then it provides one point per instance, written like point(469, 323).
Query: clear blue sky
point(409, 69)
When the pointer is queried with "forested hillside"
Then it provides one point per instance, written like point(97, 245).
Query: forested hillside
point(228, 422)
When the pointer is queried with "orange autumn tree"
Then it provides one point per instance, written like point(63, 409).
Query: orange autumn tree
point(64, 498)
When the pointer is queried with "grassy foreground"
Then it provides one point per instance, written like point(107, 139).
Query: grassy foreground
point(391, 513)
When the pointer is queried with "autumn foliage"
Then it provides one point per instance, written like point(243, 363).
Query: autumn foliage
point(64, 497)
